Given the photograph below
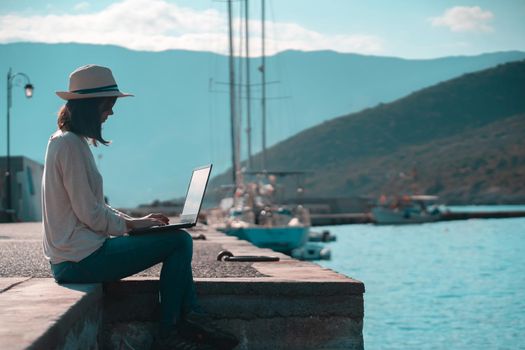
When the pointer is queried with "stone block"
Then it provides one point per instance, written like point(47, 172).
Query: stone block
point(40, 314)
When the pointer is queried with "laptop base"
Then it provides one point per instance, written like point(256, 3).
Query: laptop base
point(157, 229)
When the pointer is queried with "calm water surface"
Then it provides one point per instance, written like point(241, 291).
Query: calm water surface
point(446, 285)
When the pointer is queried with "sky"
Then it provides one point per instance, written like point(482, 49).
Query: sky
point(408, 28)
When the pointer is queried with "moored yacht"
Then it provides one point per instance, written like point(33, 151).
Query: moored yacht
point(406, 209)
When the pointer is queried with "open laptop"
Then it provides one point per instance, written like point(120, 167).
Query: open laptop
point(192, 204)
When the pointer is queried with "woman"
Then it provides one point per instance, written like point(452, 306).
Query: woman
point(85, 239)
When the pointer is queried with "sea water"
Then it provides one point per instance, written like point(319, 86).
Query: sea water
point(444, 285)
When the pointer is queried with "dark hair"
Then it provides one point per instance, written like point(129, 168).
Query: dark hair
point(82, 117)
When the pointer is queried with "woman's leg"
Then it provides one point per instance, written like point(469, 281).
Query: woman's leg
point(124, 256)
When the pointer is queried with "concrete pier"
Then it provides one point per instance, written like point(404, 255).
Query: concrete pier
point(268, 305)
point(341, 219)
point(366, 218)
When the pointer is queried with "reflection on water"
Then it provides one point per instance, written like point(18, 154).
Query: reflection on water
point(445, 285)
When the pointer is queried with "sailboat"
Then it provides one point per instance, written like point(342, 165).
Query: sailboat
point(252, 213)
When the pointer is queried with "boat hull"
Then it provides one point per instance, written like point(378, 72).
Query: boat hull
point(383, 216)
point(281, 239)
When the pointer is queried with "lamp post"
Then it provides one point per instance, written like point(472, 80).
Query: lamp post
point(28, 88)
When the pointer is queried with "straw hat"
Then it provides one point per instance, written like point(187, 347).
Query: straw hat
point(91, 81)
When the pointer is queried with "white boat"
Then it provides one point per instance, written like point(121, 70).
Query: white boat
point(259, 221)
point(406, 210)
point(312, 251)
point(324, 236)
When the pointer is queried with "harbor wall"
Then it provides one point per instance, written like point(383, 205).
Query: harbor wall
point(264, 314)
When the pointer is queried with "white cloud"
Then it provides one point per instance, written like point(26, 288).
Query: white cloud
point(294, 36)
point(156, 25)
point(464, 19)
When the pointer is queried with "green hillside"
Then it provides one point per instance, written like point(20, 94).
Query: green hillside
point(463, 139)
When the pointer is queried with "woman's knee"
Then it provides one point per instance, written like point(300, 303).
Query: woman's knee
point(182, 241)
point(187, 240)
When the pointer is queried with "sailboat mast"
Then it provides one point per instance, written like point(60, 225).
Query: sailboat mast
point(232, 97)
point(263, 77)
point(248, 87)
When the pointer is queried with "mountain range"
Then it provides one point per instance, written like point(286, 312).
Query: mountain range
point(463, 140)
point(179, 117)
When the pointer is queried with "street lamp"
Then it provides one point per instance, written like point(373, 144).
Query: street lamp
point(28, 89)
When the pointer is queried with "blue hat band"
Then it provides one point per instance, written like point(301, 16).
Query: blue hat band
point(99, 89)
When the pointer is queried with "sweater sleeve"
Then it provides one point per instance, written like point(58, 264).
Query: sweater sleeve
point(118, 212)
point(84, 203)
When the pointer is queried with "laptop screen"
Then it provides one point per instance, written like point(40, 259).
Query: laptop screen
point(196, 190)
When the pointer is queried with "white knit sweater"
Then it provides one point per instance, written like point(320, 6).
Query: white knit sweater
point(76, 221)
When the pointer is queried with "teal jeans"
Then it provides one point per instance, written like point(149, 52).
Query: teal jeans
point(127, 255)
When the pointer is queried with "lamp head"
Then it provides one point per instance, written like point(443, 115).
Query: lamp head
point(29, 90)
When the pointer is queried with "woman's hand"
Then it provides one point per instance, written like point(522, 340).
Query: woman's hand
point(159, 217)
point(155, 219)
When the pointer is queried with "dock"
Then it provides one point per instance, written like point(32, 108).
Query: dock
point(288, 304)
point(340, 219)
point(449, 216)
point(366, 218)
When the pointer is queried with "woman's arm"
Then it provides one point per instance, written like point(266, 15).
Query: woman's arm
point(146, 221)
point(121, 214)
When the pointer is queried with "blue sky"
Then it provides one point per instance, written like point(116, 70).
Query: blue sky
point(409, 28)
